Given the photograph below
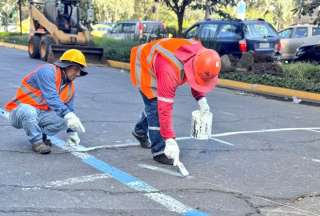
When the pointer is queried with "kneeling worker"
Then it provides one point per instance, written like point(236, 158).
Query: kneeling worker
point(43, 104)
point(157, 69)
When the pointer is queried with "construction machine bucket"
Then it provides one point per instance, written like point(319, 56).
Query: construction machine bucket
point(93, 54)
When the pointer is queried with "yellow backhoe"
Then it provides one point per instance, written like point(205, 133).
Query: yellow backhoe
point(58, 25)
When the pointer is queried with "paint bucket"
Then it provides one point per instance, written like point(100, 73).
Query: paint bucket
point(201, 125)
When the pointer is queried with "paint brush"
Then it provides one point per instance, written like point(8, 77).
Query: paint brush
point(182, 169)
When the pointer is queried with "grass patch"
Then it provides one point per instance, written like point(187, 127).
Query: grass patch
point(118, 50)
point(14, 38)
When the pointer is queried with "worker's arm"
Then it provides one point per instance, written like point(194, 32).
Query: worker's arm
point(197, 95)
point(45, 80)
point(167, 84)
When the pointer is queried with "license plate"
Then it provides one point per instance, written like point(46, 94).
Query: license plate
point(264, 45)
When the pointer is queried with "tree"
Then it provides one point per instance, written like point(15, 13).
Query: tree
point(8, 13)
point(113, 10)
point(213, 6)
point(307, 7)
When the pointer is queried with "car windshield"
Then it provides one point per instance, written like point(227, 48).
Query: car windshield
point(259, 30)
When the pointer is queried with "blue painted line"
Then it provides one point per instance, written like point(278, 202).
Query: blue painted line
point(130, 181)
point(126, 179)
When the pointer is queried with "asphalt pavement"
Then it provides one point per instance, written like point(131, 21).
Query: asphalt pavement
point(263, 158)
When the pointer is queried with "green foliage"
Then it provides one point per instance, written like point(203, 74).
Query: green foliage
point(118, 50)
point(15, 38)
point(299, 76)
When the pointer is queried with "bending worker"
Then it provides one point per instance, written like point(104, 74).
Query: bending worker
point(157, 69)
point(43, 104)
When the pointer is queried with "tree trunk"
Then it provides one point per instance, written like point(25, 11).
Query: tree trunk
point(207, 13)
point(180, 23)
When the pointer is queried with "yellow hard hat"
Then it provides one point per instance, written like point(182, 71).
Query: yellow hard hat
point(74, 55)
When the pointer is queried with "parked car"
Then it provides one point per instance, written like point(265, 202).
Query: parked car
point(235, 37)
point(130, 30)
point(101, 29)
point(309, 52)
point(295, 36)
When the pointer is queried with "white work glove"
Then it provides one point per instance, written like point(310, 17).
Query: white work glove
point(203, 106)
point(172, 151)
point(74, 123)
point(73, 139)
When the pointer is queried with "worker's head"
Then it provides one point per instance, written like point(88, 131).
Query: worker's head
point(202, 66)
point(73, 63)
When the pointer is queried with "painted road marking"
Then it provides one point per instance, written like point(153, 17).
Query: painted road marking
point(159, 169)
point(130, 181)
point(263, 131)
point(86, 149)
point(222, 141)
point(68, 182)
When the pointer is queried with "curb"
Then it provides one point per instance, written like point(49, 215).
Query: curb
point(236, 85)
point(253, 88)
point(15, 46)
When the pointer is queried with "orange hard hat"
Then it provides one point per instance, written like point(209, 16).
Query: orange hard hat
point(201, 68)
point(206, 65)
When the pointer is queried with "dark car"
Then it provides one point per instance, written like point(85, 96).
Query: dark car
point(235, 37)
point(309, 52)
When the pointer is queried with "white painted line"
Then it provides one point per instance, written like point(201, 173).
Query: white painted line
point(263, 131)
point(77, 180)
point(222, 141)
point(183, 138)
point(68, 182)
point(159, 169)
point(228, 113)
point(315, 131)
point(315, 160)
point(87, 149)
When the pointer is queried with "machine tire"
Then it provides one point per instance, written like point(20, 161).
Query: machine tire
point(45, 47)
point(34, 46)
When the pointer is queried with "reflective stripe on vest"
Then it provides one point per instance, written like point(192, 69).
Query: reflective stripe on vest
point(138, 64)
point(28, 94)
point(142, 61)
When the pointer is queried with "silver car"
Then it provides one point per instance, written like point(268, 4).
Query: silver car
point(130, 30)
point(295, 36)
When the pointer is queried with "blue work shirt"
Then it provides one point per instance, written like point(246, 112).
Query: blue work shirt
point(44, 79)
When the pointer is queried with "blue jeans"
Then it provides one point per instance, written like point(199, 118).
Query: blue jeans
point(36, 122)
point(149, 124)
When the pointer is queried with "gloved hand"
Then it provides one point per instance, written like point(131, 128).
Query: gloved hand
point(73, 139)
point(172, 151)
point(203, 106)
point(74, 123)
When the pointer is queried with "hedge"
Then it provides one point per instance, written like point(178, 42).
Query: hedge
point(299, 76)
point(118, 50)
point(15, 38)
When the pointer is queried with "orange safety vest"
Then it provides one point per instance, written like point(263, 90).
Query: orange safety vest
point(142, 58)
point(27, 94)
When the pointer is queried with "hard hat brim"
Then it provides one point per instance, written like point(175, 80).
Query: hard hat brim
point(186, 55)
point(191, 79)
point(65, 64)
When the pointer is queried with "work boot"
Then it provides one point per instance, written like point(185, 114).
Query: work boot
point(162, 158)
point(143, 140)
point(41, 148)
point(46, 140)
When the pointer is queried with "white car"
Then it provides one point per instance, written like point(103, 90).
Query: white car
point(295, 36)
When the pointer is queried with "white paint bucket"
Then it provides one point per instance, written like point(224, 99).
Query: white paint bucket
point(201, 125)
